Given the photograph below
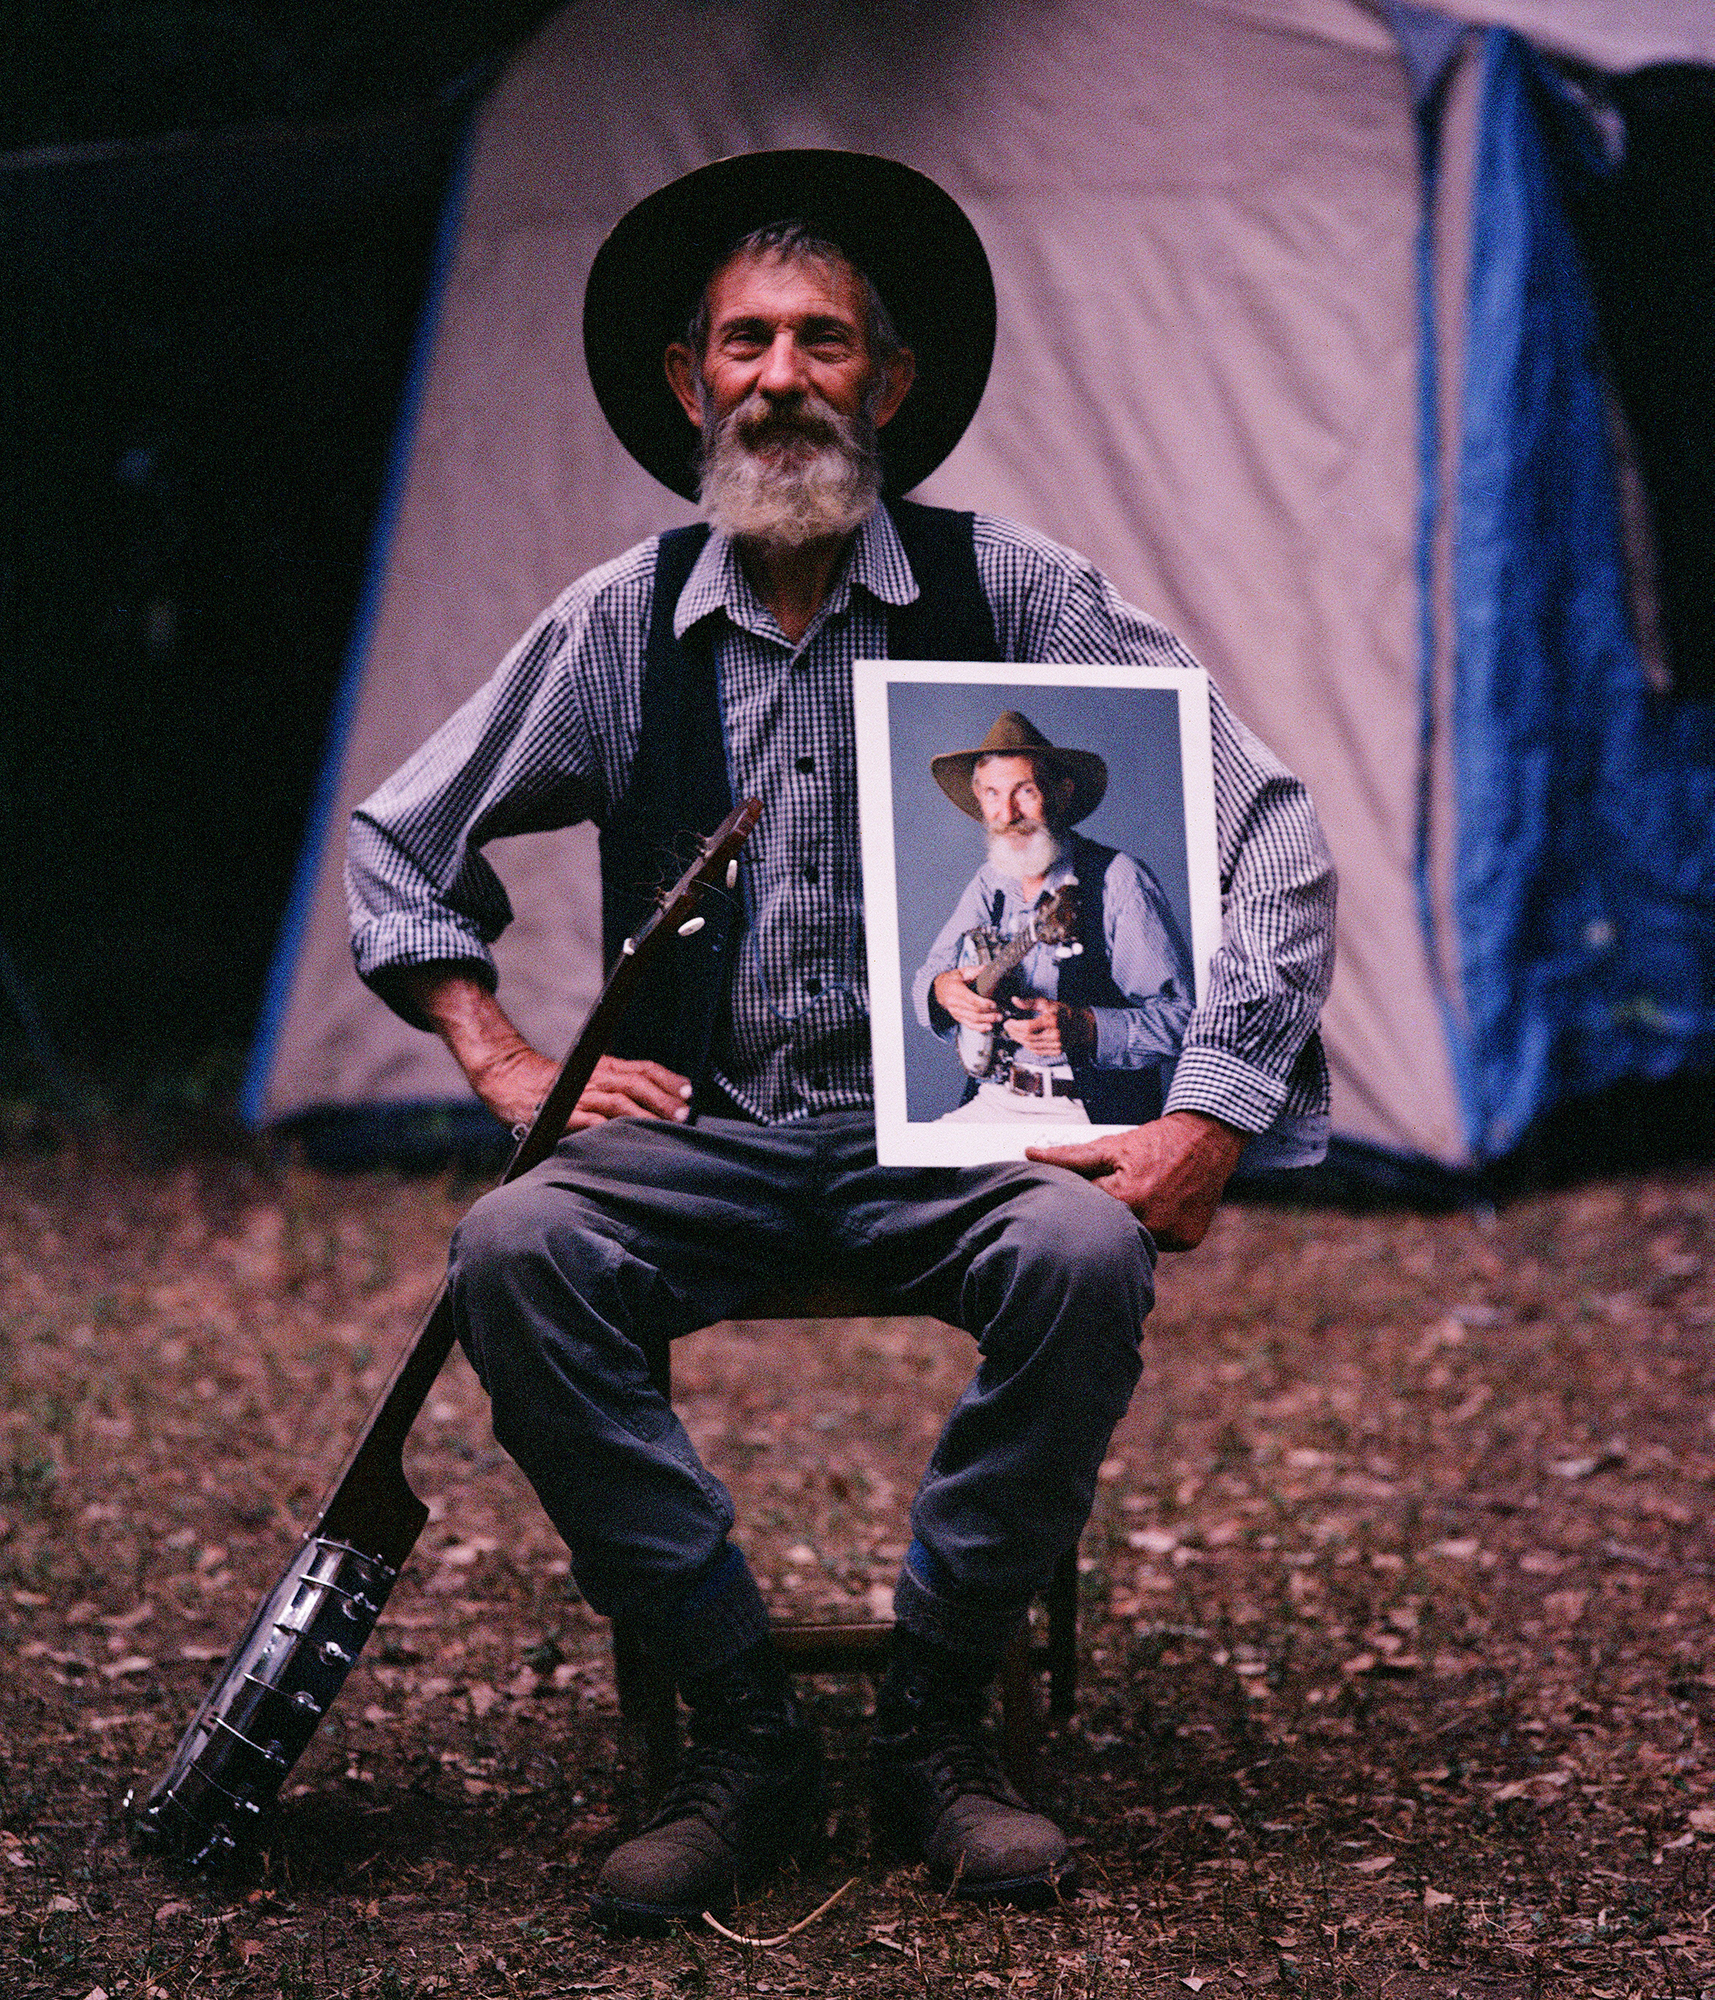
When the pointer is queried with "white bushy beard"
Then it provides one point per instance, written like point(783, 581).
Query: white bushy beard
point(788, 479)
point(1028, 853)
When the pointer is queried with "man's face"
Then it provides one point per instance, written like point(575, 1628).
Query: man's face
point(788, 398)
point(1023, 812)
point(784, 331)
point(1013, 799)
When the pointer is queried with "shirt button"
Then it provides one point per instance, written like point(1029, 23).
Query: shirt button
point(812, 874)
point(812, 987)
point(806, 763)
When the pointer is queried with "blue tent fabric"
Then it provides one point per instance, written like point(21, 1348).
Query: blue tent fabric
point(1585, 800)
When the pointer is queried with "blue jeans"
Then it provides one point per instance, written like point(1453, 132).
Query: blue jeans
point(640, 1223)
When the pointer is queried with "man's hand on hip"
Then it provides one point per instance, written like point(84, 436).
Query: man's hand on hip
point(625, 1088)
point(1169, 1173)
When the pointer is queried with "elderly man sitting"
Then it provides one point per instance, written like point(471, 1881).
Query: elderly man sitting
point(800, 338)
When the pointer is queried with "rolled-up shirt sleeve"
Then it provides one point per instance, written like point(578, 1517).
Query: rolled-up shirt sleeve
point(1245, 1047)
point(518, 757)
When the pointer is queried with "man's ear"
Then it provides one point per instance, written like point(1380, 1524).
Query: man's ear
point(897, 376)
point(684, 378)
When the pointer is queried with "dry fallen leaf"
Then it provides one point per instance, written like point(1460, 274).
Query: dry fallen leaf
point(126, 1621)
point(1155, 1541)
point(133, 1663)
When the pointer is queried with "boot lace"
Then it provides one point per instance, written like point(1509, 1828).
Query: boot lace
point(960, 1759)
point(710, 1776)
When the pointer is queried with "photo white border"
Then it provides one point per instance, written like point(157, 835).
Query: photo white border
point(899, 1140)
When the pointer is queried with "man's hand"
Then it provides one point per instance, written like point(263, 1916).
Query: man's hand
point(512, 1078)
point(1169, 1173)
point(623, 1088)
point(969, 1008)
point(1050, 1030)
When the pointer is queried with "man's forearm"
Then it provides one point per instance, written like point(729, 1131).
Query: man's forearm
point(511, 1077)
point(502, 1068)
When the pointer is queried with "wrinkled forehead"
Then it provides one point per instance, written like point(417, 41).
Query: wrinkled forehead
point(816, 277)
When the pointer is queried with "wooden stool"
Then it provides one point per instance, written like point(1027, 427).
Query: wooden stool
point(648, 1702)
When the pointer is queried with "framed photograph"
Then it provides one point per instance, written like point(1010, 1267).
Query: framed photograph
point(1041, 898)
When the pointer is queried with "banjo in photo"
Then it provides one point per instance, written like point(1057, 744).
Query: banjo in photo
point(305, 1635)
point(1054, 922)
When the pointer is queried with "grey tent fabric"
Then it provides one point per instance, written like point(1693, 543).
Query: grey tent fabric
point(1202, 217)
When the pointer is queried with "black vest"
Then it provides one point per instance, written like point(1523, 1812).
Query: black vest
point(680, 790)
point(1111, 1096)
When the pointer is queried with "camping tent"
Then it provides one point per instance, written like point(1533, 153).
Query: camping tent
point(1364, 465)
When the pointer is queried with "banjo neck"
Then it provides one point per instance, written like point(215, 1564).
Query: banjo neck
point(1004, 960)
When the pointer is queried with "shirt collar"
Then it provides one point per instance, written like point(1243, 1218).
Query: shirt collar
point(877, 564)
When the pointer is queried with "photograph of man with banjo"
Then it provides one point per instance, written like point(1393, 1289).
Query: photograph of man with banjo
point(1061, 976)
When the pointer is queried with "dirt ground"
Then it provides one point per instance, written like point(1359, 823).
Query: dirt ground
point(1396, 1666)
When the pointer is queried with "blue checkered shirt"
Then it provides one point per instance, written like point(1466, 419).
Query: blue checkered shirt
point(550, 741)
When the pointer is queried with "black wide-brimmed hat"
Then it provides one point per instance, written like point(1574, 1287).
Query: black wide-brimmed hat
point(1015, 735)
point(909, 236)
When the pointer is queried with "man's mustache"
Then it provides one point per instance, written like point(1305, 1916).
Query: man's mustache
point(757, 421)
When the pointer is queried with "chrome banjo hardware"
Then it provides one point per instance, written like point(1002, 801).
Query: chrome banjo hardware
point(275, 1688)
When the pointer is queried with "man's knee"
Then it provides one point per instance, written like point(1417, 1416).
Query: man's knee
point(504, 1227)
point(531, 1222)
point(1092, 1240)
point(530, 1267)
point(544, 1300)
point(1069, 1253)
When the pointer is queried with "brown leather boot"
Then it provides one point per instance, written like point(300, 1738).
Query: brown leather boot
point(749, 1793)
point(938, 1794)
